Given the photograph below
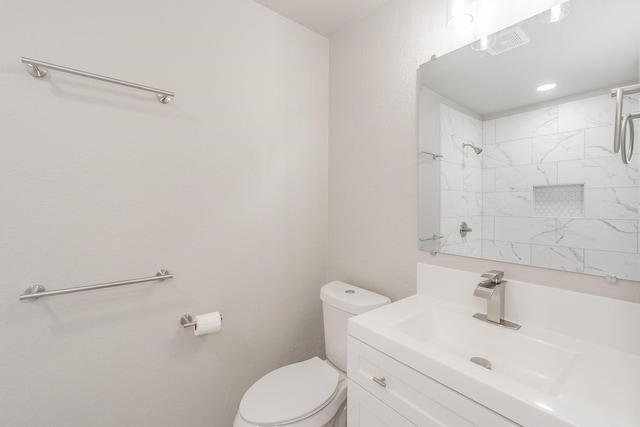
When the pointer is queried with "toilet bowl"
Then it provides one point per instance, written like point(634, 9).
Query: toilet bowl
point(312, 393)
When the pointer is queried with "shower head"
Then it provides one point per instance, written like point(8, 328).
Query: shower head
point(478, 150)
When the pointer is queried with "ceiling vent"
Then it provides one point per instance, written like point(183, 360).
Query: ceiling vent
point(508, 39)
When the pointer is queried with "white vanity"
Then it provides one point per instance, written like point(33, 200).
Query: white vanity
point(575, 361)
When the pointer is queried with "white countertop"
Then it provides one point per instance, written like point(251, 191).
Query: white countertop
point(596, 340)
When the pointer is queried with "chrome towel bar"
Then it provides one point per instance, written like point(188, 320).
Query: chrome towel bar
point(39, 69)
point(38, 291)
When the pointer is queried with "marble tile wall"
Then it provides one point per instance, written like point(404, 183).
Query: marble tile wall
point(566, 144)
point(460, 182)
point(493, 192)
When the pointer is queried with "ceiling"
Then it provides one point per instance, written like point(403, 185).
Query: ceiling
point(325, 17)
point(595, 48)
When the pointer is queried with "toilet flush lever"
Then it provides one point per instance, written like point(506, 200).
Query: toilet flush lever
point(380, 381)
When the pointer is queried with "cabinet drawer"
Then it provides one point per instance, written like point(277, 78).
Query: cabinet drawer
point(367, 411)
point(418, 398)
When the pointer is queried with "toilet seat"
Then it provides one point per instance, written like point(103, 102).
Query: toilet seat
point(290, 393)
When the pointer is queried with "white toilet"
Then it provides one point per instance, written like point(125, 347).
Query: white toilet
point(312, 393)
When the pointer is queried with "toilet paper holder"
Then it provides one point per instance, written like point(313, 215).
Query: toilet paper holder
point(187, 321)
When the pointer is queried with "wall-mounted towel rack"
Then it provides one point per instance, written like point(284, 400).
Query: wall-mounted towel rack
point(38, 291)
point(39, 69)
point(435, 156)
point(622, 122)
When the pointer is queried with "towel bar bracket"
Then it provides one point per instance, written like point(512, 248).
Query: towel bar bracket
point(36, 71)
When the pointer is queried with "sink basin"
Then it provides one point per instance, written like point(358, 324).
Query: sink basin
point(531, 362)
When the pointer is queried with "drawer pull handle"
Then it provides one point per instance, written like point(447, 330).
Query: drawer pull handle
point(380, 381)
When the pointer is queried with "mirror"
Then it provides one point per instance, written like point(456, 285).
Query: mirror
point(514, 174)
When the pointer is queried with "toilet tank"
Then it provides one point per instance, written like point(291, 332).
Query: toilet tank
point(340, 301)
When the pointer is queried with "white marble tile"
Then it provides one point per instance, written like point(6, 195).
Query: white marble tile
point(523, 178)
point(472, 131)
point(543, 121)
point(517, 253)
point(459, 124)
point(511, 203)
point(450, 232)
point(558, 258)
point(612, 203)
point(468, 249)
point(598, 142)
point(488, 227)
point(622, 265)
point(610, 235)
point(559, 146)
point(460, 203)
point(472, 179)
point(540, 231)
point(472, 159)
point(489, 132)
point(586, 113)
point(451, 176)
point(450, 123)
point(598, 173)
point(488, 180)
point(510, 153)
point(451, 149)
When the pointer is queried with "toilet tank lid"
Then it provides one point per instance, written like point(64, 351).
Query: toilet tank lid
point(351, 299)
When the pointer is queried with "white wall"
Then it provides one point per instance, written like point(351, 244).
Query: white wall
point(226, 187)
point(372, 154)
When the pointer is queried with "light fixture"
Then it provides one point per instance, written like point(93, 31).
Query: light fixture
point(459, 13)
point(557, 13)
point(545, 87)
point(483, 43)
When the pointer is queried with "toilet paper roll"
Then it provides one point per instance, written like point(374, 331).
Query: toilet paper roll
point(208, 323)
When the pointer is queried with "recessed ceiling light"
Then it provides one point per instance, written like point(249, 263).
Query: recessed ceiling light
point(545, 87)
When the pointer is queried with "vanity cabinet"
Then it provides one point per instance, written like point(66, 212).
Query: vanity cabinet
point(384, 392)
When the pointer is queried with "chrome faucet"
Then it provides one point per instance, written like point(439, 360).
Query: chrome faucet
point(492, 289)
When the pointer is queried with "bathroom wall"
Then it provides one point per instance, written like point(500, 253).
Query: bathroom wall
point(226, 187)
point(373, 179)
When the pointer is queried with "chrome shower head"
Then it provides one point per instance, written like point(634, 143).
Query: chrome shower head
point(478, 150)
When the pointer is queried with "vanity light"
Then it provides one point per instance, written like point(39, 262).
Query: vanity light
point(483, 43)
point(459, 13)
point(557, 13)
point(545, 87)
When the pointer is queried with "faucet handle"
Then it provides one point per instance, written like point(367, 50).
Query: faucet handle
point(494, 276)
